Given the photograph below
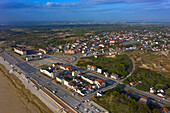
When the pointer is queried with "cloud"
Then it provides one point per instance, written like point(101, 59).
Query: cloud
point(85, 4)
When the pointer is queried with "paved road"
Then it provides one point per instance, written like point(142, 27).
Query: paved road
point(33, 72)
point(62, 93)
point(148, 95)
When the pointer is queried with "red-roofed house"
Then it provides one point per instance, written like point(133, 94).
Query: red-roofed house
point(20, 50)
point(100, 83)
point(164, 110)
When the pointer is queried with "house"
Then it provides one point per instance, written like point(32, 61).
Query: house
point(99, 94)
point(65, 82)
point(101, 45)
point(45, 51)
point(132, 83)
point(114, 76)
point(69, 67)
point(69, 51)
point(95, 56)
point(60, 46)
point(81, 92)
point(20, 50)
point(75, 72)
point(91, 67)
point(64, 67)
point(106, 74)
point(160, 94)
point(99, 70)
point(164, 110)
point(56, 64)
point(143, 100)
point(152, 90)
point(59, 79)
point(160, 90)
point(100, 83)
point(112, 41)
point(48, 71)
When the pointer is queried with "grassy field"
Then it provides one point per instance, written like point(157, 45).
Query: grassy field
point(152, 69)
point(121, 64)
point(116, 101)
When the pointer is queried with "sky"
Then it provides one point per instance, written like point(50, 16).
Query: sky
point(84, 10)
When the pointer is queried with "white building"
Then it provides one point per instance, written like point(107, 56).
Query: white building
point(47, 71)
point(99, 70)
point(152, 90)
point(160, 94)
point(20, 50)
point(114, 76)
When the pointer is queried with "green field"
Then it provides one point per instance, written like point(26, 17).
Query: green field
point(116, 101)
point(120, 65)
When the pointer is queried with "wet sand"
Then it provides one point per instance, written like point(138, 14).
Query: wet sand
point(15, 98)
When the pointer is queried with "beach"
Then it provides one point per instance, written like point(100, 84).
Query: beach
point(15, 98)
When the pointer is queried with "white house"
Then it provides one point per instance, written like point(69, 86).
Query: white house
point(99, 70)
point(160, 94)
point(100, 83)
point(99, 94)
point(65, 82)
point(152, 90)
point(106, 74)
point(114, 76)
point(20, 50)
point(43, 50)
point(47, 71)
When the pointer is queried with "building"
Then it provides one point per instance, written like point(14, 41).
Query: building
point(88, 78)
point(101, 45)
point(164, 110)
point(56, 64)
point(69, 68)
point(99, 70)
point(99, 94)
point(64, 67)
point(132, 83)
point(75, 72)
point(114, 76)
point(152, 90)
point(48, 71)
point(69, 51)
point(59, 79)
point(100, 83)
point(106, 74)
point(20, 50)
point(45, 51)
point(91, 67)
point(160, 94)
point(143, 100)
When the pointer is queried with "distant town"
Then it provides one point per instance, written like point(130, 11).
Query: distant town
point(86, 66)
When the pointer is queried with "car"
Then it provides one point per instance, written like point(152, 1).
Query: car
point(90, 104)
point(86, 109)
point(93, 107)
point(88, 100)
point(97, 110)
point(54, 92)
point(163, 98)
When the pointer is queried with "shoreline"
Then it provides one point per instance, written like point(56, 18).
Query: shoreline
point(43, 98)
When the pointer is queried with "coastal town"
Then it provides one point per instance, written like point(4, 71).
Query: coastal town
point(73, 74)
